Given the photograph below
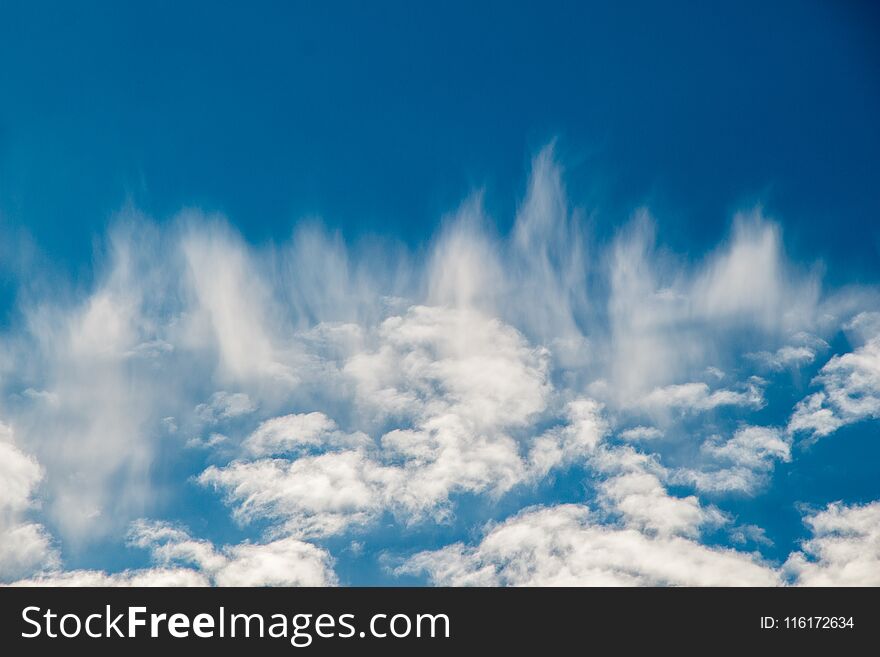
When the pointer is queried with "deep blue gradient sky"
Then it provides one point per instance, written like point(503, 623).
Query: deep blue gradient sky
point(380, 118)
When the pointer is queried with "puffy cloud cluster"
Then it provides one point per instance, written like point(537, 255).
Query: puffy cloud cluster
point(564, 546)
point(850, 390)
point(632, 488)
point(802, 352)
point(695, 397)
point(647, 537)
point(295, 432)
point(742, 463)
point(184, 561)
point(844, 549)
point(456, 386)
point(24, 545)
point(179, 577)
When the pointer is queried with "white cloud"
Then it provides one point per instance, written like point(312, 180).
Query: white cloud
point(562, 546)
point(742, 463)
point(99, 353)
point(644, 504)
point(695, 397)
point(224, 406)
point(744, 534)
point(565, 545)
point(573, 441)
point(328, 493)
point(289, 433)
point(752, 447)
point(231, 306)
point(639, 433)
point(864, 326)
point(850, 393)
point(813, 414)
point(213, 440)
point(170, 543)
point(844, 549)
point(750, 281)
point(633, 490)
point(456, 383)
point(284, 562)
point(464, 269)
point(45, 396)
point(349, 383)
point(24, 548)
point(546, 271)
point(184, 561)
point(312, 496)
point(669, 321)
point(24, 545)
point(178, 577)
point(789, 356)
point(434, 360)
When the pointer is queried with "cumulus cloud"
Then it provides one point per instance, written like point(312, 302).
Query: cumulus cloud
point(284, 562)
point(742, 463)
point(632, 488)
point(641, 499)
point(788, 356)
point(302, 431)
point(695, 397)
point(802, 352)
point(850, 392)
point(24, 545)
point(656, 540)
point(184, 561)
point(563, 546)
point(179, 577)
point(753, 447)
point(313, 496)
point(638, 433)
point(745, 534)
point(844, 549)
point(574, 441)
point(458, 385)
point(482, 369)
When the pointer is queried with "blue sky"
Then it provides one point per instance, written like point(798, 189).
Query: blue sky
point(659, 215)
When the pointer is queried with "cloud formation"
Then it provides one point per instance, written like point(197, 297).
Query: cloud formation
point(850, 386)
point(24, 545)
point(184, 561)
point(322, 390)
point(844, 549)
point(562, 546)
point(454, 388)
point(741, 464)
